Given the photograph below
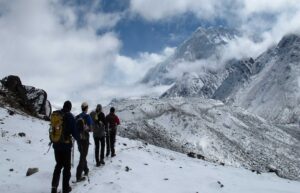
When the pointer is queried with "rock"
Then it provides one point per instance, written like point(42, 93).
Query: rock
point(28, 99)
point(10, 112)
point(21, 134)
point(127, 169)
point(199, 156)
point(221, 185)
point(31, 171)
point(191, 154)
point(11, 169)
point(271, 169)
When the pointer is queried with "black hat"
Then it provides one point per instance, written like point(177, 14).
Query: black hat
point(112, 109)
point(67, 106)
point(99, 107)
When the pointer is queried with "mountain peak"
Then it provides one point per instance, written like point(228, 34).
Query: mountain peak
point(289, 40)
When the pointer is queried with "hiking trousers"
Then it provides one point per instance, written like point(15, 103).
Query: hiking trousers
point(111, 140)
point(63, 161)
point(83, 147)
point(99, 141)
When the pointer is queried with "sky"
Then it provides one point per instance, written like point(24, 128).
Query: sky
point(96, 50)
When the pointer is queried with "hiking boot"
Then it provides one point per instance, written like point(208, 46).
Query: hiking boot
point(53, 190)
point(107, 154)
point(113, 155)
point(86, 173)
point(80, 179)
point(98, 164)
point(69, 189)
point(102, 162)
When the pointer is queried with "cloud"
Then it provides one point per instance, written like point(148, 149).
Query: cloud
point(36, 46)
point(47, 45)
point(252, 17)
point(262, 24)
point(133, 70)
point(157, 10)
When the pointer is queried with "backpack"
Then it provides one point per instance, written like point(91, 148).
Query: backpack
point(98, 126)
point(56, 131)
point(82, 127)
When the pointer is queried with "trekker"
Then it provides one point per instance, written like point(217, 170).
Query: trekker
point(83, 124)
point(99, 133)
point(62, 148)
point(112, 121)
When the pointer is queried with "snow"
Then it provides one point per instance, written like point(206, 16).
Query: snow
point(150, 169)
point(230, 135)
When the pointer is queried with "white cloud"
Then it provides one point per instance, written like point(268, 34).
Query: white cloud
point(266, 20)
point(157, 9)
point(34, 45)
point(42, 43)
point(135, 69)
point(49, 46)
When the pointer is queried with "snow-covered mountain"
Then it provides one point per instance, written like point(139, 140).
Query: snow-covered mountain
point(268, 85)
point(138, 167)
point(220, 133)
point(274, 92)
point(203, 44)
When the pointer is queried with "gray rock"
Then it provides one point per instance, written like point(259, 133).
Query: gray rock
point(32, 171)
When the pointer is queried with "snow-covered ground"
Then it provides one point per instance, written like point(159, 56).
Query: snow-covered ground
point(137, 168)
point(220, 133)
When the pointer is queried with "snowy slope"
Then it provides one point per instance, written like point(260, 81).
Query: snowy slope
point(203, 44)
point(274, 92)
point(223, 134)
point(137, 168)
point(268, 85)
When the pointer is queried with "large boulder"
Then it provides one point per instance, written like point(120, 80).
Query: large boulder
point(26, 98)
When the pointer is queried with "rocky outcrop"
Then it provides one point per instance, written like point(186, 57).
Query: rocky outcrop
point(28, 99)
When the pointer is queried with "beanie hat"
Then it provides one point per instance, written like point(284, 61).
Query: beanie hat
point(84, 106)
point(67, 106)
point(99, 107)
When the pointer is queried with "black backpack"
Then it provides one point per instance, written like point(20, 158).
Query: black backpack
point(82, 127)
point(98, 126)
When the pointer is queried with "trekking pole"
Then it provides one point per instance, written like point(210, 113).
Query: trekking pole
point(50, 143)
point(108, 139)
point(72, 161)
point(88, 178)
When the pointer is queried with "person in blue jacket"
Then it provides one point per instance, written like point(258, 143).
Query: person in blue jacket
point(62, 150)
point(84, 126)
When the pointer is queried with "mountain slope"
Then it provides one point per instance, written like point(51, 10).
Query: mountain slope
point(138, 167)
point(220, 133)
point(268, 86)
point(203, 44)
point(274, 92)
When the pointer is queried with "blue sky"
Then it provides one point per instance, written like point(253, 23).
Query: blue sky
point(96, 50)
point(140, 35)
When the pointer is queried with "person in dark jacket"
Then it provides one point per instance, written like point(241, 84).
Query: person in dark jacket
point(84, 125)
point(112, 121)
point(62, 151)
point(99, 133)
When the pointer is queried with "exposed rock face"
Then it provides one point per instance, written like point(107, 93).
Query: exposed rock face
point(268, 85)
point(203, 44)
point(29, 99)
